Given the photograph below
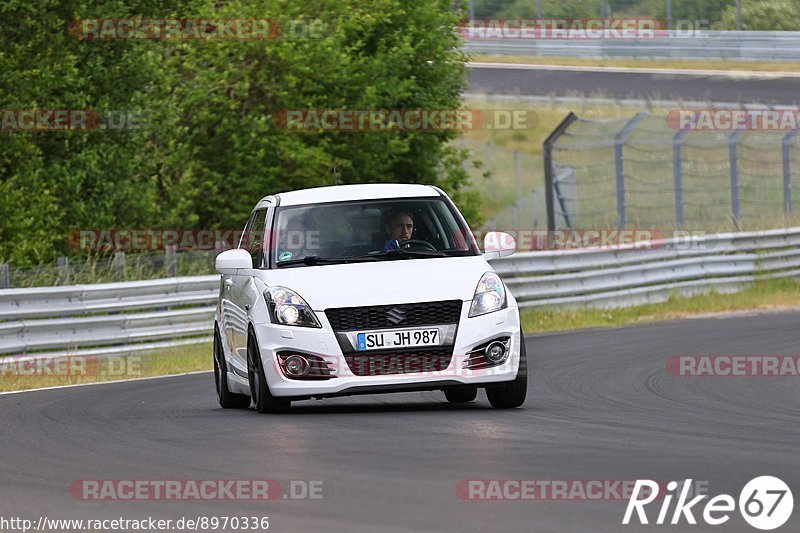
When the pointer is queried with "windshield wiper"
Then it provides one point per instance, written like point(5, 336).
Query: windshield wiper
point(312, 260)
point(397, 253)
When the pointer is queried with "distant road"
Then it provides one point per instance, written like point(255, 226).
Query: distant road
point(529, 80)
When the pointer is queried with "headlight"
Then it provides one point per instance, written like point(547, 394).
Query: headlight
point(489, 296)
point(287, 307)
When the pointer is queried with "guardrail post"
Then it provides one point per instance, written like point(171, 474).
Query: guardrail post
point(786, 146)
point(619, 141)
point(5, 276)
point(677, 173)
point(547, 151)
point(118, 264)
point(63, 270)
point(733, 141)
point(170, 262)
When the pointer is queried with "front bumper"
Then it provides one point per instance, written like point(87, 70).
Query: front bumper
point(323, 343)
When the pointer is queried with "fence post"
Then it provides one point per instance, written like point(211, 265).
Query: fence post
point(63, 270)
point(5, 276)
point(677, 173)
point(547, 151)
point(490, 166)
point(733, 141)
point(518, 183)
point(170, 262)
point(619, 141)
point(118, 263)
point(787, 171)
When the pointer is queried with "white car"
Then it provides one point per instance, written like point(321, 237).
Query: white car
point(357, 289)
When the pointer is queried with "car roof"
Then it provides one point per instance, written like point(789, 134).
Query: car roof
point(365, 191)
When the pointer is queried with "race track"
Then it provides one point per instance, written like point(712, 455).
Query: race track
point(600, 406)
point(620, 85)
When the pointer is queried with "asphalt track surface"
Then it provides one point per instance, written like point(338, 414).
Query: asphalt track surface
point(600, 406)
point(667, 86)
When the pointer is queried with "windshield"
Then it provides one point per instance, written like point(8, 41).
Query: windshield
point(369, 230)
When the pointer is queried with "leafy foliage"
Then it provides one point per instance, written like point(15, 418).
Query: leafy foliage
point(764, 15)
point(209, 146)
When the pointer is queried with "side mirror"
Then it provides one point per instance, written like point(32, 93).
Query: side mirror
point(229, 261)
point(497, 244)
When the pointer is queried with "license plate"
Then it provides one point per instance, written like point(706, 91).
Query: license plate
point(404, 338)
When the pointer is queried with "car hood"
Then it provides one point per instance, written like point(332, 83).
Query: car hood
point(383, 282)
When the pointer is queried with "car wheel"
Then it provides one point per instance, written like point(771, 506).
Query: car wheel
point(264, 401)
point(461, 395)
point(227, 399)
point(512, 394)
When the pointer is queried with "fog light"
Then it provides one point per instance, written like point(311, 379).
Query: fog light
point(496, 353)
point(296, 365)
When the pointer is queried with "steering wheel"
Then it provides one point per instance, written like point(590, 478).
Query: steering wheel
point(411, 242)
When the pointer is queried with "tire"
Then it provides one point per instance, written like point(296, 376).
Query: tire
point(461, 395)
point(263, 400)
point(227, 399)
point(512, 394)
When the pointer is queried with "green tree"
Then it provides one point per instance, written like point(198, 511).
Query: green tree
point(376, 54)
point(53, 183)
point(764, 15)
point(527, 8)
point(210, 146)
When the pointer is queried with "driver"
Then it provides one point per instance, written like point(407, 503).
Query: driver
point(399, 227)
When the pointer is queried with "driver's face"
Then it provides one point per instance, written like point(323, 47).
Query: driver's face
point(401, 227)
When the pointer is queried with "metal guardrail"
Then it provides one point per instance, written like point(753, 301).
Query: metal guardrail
point(145, 315)
point(107, 317)
point(632, 275)
point(700, 45)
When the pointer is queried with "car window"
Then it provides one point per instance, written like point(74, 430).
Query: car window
point(349, 229)
point(253, 238)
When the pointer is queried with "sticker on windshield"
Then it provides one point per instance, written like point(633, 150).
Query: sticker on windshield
point(285, 256)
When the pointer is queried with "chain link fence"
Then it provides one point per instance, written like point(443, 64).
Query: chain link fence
point(640, 172)
point(105, 268)
point(511, 183)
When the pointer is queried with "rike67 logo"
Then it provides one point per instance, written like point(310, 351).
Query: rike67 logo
point(765, 503)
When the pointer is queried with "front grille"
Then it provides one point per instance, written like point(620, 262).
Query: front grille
point(394, 316)
point(400, 363)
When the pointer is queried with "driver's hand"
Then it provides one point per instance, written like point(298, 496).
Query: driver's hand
point(391, 244)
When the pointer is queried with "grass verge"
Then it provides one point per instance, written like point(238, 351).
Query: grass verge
point(72, 371)
point(747, 66)
point(769, 295)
